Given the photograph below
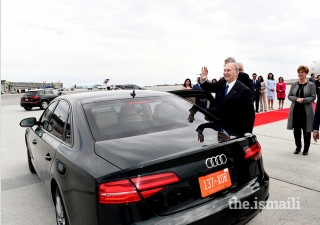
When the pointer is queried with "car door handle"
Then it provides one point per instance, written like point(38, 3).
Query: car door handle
point(34, 142)
point(48, 157)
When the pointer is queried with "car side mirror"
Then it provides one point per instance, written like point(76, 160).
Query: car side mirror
point(28, 122)
point(60, 93)
point(49, 128)
point(46, 125)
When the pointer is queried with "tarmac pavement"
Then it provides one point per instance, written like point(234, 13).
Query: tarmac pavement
point(24, 199)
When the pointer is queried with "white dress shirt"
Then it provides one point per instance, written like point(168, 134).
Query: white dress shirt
point(230, 85)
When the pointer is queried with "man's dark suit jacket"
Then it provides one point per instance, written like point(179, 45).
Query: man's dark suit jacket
point(245, 79)
point(316, 120)
point(312, 80)
point(236, 108)
point(257, 86)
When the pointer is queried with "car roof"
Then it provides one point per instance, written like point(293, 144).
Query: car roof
point(42, 89)
point(88, 97)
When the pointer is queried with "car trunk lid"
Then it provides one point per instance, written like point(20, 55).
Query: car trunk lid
point(190, 160)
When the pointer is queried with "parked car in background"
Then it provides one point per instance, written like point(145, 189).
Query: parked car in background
point(125, 87)
point(132, 87)
point(120, 158)
point(38, 98)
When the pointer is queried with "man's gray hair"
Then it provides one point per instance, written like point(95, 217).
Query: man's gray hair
point(236, 67)
point(231, 59)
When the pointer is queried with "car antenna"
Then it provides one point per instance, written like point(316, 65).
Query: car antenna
point(133, 94)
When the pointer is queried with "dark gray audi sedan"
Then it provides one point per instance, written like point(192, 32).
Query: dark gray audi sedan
point(134, 157)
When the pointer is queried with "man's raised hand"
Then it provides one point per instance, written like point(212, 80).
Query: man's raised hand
point(204, 73)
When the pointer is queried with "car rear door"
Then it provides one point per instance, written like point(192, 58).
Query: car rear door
point(51, 138)
point(49, 95)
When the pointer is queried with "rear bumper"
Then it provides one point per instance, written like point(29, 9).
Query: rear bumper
point(217, 211)
point(33, 104)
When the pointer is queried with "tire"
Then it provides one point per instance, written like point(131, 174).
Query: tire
point(61, 215)
point(44, 104)
point(31, 168)
point(28, 108)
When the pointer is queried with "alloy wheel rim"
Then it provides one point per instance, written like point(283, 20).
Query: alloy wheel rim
point(59, 211)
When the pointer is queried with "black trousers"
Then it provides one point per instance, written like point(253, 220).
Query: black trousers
point(256, 98)
point(306, 138)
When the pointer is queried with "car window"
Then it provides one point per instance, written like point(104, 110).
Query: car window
point(68, 131)
point(58, 119)
point(136, 87)
point(48, 92)
point(131, 117)
point(42, 92)
point(55, 92)
point(45, 118)
point(203, 100)
point(30, 93)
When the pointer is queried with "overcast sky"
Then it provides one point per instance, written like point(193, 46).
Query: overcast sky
point(154, 42)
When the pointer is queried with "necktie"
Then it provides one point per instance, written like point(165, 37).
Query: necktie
point(226, 90)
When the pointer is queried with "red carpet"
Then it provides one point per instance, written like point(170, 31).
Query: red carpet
point(272, 116)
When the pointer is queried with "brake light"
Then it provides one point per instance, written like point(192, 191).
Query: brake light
point(254, 151)
point(123, 192)
point(140, 102)
point(35, 97)
point(117, 192)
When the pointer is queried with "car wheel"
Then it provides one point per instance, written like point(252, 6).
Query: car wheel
point(31, 168)
point(61, 215)
point(28, 108)
point(44, 104)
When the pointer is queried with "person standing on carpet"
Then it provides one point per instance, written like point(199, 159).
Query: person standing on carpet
point(281, 92)
point(316, 121)
point(302, 94)
point(256, 91)
point(271, 90)
point(317, 82)
point(263, 95)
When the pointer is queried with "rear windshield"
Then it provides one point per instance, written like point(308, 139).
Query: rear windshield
point(30, 93)
point(138, 116)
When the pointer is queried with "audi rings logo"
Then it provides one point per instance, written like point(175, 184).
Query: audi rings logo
point(216, 161)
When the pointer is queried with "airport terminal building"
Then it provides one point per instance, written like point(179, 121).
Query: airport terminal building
point(8, 86)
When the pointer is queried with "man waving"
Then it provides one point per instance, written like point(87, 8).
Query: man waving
point(233, 103)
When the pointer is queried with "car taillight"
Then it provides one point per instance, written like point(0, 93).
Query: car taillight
point(123, 192)
point(254, 151)
point(134, 103)
point(35, 97)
